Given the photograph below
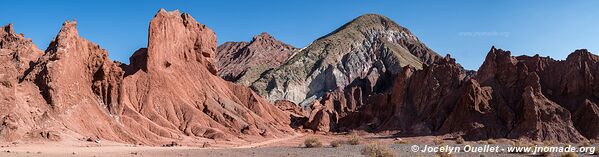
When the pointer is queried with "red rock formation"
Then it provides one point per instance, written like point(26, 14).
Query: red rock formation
point(171, 91)
point(80, 85)
point(543, 120)
point(324, 115)
point(16, 55)
point(526, 85)
point(510, 97)
point(585, 119)
point(474, 117)
point(243, 62)
point(289, 106)
point(421, 98)
point(17, 49)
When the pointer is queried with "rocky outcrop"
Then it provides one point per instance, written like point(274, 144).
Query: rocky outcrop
point(325, 114)
point(16, 55)
point(171, 91)
point(370, 47)
point(510, 97)
point(585, 118)
point(370, 74)
point(421, 98)
point(17, 49)
point(526, 87)
point(79, 83)
point(243, 62)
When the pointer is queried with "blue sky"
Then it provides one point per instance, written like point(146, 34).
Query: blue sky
point(466, 29)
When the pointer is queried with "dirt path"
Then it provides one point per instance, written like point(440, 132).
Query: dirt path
point(254, 145)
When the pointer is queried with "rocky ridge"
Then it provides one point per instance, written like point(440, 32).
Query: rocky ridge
point(370, 74)
point(168, 93)
point(535, 98)
point(508, 97)
point(243, 62)
point(370, 48)
point(17, 53)
point(173, 92)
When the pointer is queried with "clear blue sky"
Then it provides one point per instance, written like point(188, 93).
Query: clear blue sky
point(466, 29)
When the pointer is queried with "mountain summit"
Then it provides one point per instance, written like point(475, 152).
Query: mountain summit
point(369, 48)
point(169, 92)
point(243, 62)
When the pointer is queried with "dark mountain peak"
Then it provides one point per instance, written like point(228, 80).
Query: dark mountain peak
point(493, 48)
point(8, 29)
point(264, 41)
point(243, 62)
point(495, 52)
point(263, 36)
point(582, 54)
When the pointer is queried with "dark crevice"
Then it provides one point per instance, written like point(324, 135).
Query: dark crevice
point(45, 90)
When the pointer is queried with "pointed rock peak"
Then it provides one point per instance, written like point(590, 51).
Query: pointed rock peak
point(448, 56)
point(163, 12)
point(68, 28)
point(69, 24)
point(177, 39)
point(368, 23)
point(372, 16)
point(373, 20)
point(450, 59)
point(582, 51)
point(163, 15)
point(8, 29)
point(582, 54)
point(262, 36)
point(494, 52)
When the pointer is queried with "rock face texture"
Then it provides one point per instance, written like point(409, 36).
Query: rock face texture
point(79, 83)
point(17, 49)
point(169, 92)
point(369, 48)
point(243, 62)
point(421, 98)
point(371, 74)
point(374, 75)
point(510, 97)
point(16, 55)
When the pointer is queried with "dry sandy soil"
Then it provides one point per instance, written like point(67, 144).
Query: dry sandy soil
point(282, 147)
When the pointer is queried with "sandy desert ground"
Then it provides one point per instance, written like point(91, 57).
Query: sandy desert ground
point(282, 147)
